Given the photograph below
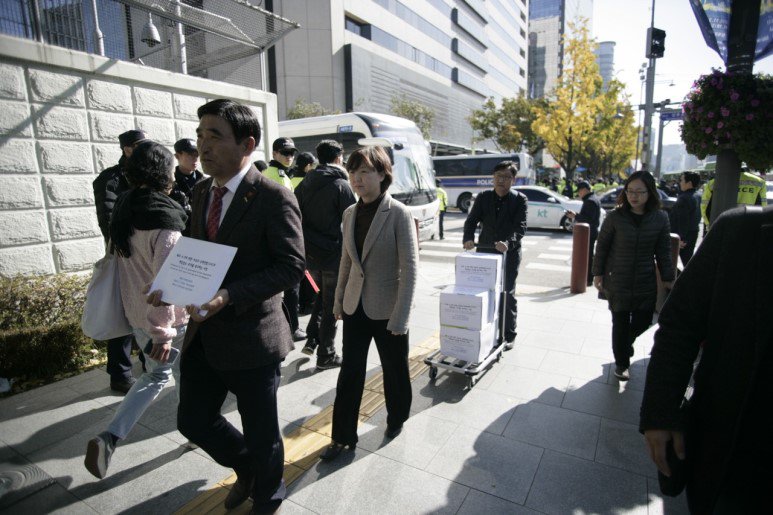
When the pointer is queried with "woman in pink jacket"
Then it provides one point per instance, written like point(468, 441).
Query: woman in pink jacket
point(145, 225)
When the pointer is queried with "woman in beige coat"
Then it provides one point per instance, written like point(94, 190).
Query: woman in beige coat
point(376, 283)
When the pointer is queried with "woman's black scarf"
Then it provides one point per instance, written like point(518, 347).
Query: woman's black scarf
point(143, 209)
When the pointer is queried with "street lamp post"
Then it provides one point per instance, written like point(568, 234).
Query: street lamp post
point(648, 109)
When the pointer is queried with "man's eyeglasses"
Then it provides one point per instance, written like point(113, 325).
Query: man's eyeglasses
point(287, 153)
point(636, 193)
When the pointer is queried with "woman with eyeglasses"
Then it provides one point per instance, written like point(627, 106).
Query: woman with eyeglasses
point(633, 236)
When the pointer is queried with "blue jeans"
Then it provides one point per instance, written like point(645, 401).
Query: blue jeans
point(147, 387)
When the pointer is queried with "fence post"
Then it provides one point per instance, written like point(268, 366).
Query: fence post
point(580, 244)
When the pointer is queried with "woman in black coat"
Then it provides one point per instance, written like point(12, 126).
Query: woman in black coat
point(633, 235)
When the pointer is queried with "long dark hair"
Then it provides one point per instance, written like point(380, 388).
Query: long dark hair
point(653, 198)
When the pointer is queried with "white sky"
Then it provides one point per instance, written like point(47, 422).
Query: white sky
point(686, 57)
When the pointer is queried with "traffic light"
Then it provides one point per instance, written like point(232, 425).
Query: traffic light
point(656, 42)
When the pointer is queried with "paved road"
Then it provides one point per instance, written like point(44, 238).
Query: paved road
point(546, 260)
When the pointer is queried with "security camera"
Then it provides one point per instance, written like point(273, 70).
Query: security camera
point(150, 34)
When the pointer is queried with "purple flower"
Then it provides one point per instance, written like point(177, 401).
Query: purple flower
point(749, 117)
point(728, 135)
point(710, 114)
point(725, 112)
point(720, 125)
point(703, 145)
point(754, 102)
point(734, 96)
point(709, 130)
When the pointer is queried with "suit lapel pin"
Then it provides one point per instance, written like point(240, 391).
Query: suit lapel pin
point(249, 195)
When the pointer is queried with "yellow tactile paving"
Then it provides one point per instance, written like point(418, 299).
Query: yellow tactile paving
point(304, 445)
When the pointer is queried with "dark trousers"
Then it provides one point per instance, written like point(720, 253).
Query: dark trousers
point(441, 214)
point(510, 308)
point(393, 352)
point(259, 452)
point(591, 245)
point(291, 302)
point(689, 248)
point(322, 324)
point(626, 327)
point(119, 363)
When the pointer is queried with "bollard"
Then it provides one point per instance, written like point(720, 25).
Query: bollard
point(580, 243)
point(662, 293)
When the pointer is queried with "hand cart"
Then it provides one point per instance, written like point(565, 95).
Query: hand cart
point(436, 360)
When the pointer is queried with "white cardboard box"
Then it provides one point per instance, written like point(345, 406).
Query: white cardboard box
point(462, 306)
point(468, 308)
point(479, 270)
point(467, 345)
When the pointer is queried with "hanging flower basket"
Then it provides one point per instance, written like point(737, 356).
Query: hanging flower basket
point(726, 110)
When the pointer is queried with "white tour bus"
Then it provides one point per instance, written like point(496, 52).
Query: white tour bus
point(413, 181)
point(464, 176)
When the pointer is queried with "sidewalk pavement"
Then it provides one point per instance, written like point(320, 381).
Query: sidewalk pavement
point(548, 429)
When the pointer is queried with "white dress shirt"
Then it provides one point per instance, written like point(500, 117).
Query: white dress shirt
point(232, 184)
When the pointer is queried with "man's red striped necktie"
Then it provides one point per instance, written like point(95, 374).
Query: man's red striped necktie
point(213, 219)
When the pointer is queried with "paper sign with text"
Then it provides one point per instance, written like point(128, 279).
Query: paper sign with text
point(193, 271)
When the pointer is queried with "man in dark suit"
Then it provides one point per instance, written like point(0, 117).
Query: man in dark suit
point(238, 345)
point(721, 304)
point(501, 213)
point(590, 214)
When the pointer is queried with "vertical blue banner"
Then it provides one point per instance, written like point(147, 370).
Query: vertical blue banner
point(713, 18)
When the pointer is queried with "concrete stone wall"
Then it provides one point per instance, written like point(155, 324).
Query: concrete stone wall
point(60, 116)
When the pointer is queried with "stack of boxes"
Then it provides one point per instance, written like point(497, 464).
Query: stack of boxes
point(469, 308)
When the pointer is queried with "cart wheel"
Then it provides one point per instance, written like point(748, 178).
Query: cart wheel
point(472, 381)
point(433, 373)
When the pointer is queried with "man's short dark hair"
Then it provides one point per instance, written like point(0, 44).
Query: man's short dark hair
point(150, 165)
point(506, 165)
point(328, 150)
point(692, 177)
point(242, 120)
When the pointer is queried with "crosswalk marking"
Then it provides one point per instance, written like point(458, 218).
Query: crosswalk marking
point(545, 266)
point(559, 257)
point(560, 249)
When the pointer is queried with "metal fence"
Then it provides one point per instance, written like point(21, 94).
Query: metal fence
point(223, 40)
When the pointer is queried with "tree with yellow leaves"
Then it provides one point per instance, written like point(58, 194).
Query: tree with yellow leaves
point(612, 143)
point(566, 122)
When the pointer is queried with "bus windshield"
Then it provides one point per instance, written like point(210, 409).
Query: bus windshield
point(413, 164)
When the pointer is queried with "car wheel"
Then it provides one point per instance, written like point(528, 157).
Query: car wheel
point(464, 202)
point(567, 224)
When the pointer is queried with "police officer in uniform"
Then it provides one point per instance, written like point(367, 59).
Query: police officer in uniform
point(751, 192)
point(283, 152)
point(443, 198)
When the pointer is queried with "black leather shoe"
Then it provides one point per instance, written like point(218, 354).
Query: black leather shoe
point(239, 493)
point(122, 386)
point(333, 450)
point(391, 432)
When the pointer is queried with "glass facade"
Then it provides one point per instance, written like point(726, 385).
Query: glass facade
point(409, 16)
point(545, 9)
point(398, 46)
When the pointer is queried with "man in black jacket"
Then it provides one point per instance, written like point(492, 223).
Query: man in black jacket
point(685, 216)
point(501, 213)
point(323, 196)
point(186, 173)
point(721, 304)
point(107, 186)
point(590, 214)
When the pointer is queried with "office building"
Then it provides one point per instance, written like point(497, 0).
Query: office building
point(548, 25)
point(605, 57)
point(357, 55)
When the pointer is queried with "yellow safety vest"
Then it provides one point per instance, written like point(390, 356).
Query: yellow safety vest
point(295, 181)
point(278, 176)
point(751, 191)
point(443, 198)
